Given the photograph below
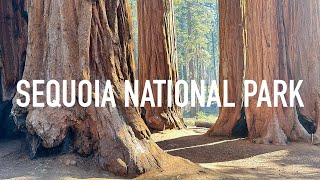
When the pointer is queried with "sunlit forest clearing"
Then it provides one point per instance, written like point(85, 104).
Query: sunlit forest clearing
point(122, 41)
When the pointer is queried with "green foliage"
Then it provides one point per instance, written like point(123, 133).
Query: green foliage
point(201, 115)
point(196, 21)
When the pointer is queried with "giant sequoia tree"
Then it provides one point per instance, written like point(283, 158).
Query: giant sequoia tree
point(303, 35)
point(158, 60)
point(231, 64)
point(87, 40)
point(275, 46)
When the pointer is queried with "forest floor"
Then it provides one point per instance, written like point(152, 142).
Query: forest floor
point(229, 158)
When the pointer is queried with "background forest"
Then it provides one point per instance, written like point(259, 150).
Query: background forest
point(197, 33)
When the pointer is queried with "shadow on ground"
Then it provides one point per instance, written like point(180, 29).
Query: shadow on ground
point(236, 158)
point(204, 149)
point(240, 158)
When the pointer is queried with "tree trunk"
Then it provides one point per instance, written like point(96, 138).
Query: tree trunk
point(214, 66)
point(184, 69)
point(158, 60)
point(303, 49)
point(269, 62)
point(231, 65)
point(267, 57)
point(13, 45)
point(86, 40)
point(198, 77)
point(191, 61)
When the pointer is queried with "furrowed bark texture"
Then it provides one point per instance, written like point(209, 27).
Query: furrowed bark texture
point(231, 65)
point(13, 45)
point(303, 39)
point(266, 60)
point(158, 61)
point(275, 43)
point(88, 40)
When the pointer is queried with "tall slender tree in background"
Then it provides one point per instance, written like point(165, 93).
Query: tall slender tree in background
point(272, 32)
point(193, 111)
point(86, 40)
point(213, 73)
point(13, 45)
point(158, 61)
point(134, 12)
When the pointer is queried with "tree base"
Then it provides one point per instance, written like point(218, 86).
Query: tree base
point(169, 120)
point(277, 129)
point(121, 147)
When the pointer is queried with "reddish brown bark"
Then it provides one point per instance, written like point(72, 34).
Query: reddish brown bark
point(303, 29)
point(13, 45)
point(88, 40)
point(266, 60)
point(275, 42)
point(231, 65)
point(158, 61)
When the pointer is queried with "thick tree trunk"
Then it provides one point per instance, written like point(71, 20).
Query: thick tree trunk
point(266, 60)
point(231, 65)
point(13, 45)
point(303, 49)
point(86, 40)
point(158, 60)
point(267, 56)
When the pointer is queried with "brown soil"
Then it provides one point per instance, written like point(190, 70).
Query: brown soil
point(228, 158)
point(15, 164)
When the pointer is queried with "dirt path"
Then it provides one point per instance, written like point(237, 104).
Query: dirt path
point(229, 158)
point(242, 159)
